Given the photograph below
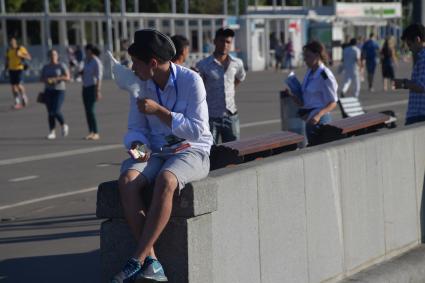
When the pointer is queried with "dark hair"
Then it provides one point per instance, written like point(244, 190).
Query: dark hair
point(225, 32)
point(49, 53)
point(353, 41)
point(413, 31)
point(317, 48)
point(180, 42)
point(93, 49)
point(371, 35)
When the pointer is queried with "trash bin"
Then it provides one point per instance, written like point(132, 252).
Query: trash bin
point(289, 117)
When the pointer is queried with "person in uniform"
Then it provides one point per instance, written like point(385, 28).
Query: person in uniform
point(319, 90)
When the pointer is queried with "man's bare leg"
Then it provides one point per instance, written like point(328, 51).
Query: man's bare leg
point(159, 213)
point(131, 184)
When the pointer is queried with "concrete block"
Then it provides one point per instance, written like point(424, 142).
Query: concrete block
point(108, 203)
point(419, 153)
point(235, 226)
point(116, 246)
point(184, 249)
point(362, 202)
point(282, 220)
point(200, 249)
point(196, 198)
point(397, 161)
point(324, 219)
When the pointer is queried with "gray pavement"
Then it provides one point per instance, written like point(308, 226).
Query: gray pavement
point(47, 234)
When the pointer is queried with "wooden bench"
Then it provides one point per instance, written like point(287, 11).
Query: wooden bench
point(245, 150)
point(351, 107)
point(353, 126)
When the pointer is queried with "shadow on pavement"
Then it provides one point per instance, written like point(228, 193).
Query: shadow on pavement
point(67, 268)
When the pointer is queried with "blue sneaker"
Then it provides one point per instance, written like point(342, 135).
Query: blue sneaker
point(127, 274)
point(152, 270)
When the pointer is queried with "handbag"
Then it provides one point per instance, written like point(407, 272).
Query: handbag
point(41, 97)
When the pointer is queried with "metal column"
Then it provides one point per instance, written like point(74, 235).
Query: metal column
point(4, 25)
point(200, 39)
point(100, 34)
point(116, 36)
point(83, 32)
point(172, 20)
point(24, 32)
point(108, 24)
point(123, 20)
point(186, 21)
point(47, 32)
point(63, 33)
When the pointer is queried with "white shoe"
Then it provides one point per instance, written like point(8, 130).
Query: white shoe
point(51, 135)
point(65, 130)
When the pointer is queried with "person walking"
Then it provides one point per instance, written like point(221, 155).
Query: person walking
point(222, 73)
point(54, 75)
point(370, 52)
point(15, 64)
point(319, 90)
point(388, 60)
point(278, 55)
point(169, 140)
point(92, 79)
point(289, 55)
point(414, 36)
point(351, 67)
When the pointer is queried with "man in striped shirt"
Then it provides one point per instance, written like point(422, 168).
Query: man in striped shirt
point(414, 36)
point(221, 73)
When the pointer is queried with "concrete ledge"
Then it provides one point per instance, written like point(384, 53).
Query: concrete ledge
point(196, 198)
point(184, 248)
point(312, 216)
point(406, 268)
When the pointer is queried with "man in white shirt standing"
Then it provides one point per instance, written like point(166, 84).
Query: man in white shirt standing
point(169, 140)
point(351, 63)
point(222, 73)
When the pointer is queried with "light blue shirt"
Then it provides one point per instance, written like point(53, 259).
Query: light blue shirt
point(93, 72)
point(188, 108)
point(319, 89)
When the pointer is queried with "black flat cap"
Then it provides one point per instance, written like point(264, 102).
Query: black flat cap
point(226, 32)
point(150, 43)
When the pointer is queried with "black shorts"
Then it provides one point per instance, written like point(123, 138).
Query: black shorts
point(15, 77)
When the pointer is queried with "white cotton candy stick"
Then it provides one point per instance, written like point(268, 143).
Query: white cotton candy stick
point(124, 77)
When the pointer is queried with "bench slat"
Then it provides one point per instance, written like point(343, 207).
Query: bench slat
point(348, 99)
point(351, 104)
point(266, 142)
point(353, 114)
point(237, 152)
point(354, 109)
point(352, 124)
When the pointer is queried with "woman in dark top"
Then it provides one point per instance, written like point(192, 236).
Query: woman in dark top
point(92, 78)
point(54, 75)
point(388, 59)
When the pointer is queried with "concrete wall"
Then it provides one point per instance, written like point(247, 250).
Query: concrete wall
point(315, 215)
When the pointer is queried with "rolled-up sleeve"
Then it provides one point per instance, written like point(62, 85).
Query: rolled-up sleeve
point(241, 74)
point(138, 129)
point(330, 88)
point(194, 122)
point(98, 71)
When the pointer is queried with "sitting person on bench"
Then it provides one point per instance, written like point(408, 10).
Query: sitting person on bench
point(319, 90)
point(169, 140)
